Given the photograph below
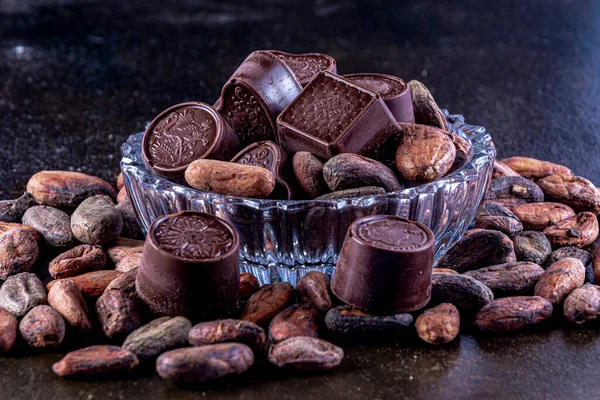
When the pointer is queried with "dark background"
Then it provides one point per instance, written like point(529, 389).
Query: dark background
point(77, 77)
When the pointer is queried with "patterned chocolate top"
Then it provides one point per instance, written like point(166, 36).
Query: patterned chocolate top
point(306, 66)
point(392, 233)
point(257, 155)
point(386, 86)
point(246, 115)
point(193, 236)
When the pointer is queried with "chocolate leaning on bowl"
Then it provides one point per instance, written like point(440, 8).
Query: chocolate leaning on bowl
point(261, 87)
point(184, 133)
point(385, 265)
point(394, 92)
point(333, 115)
point(307, 65)
point(190, 265)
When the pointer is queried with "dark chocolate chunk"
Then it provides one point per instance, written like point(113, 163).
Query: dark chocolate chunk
point(306, 66)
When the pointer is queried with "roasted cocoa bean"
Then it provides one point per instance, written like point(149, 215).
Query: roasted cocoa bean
point(425, 108)
point(9, 326)
point(7, 226)
point(466, 293)
point(574, 191)
point(231, 179)
point(201, 364)
point(347, 320)
point(532, 246)
point(479, 249)
point(96, 360)
point(80, 259)
point(13, 210)
point(119, 307)
point(52, 224)
point(501, 169)
point(96, 221)
point(249, 285)
point(18, 252)
point(66, 189)
point(228, 330)
point(560, 279)
point(595, 263)
point(314, 287)
point(308, 170)
point(42, 327)
point(123, 247)
point(120, 181)
point(568, 251)
point(66, 298)
point(122, 195)
point(129, 262)
point(535, 169)
point(439, 325)
point(579, 230)
point(444, 271)
point(424, 153)
point(306, 353)
point(269, 301)
point(539, 216)
point(350, 171)
point(296, 320)
point(497, 217)
point(21, 292)
point(513, 313)
point(463, 151)
point(513, 279)
point(583, 304)
point(131, 227)
point(163, 334)
point(514, 190)
point(92, 284)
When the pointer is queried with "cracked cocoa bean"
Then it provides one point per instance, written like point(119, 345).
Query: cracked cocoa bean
point(512, 279)
point(560, 279)
point(42, 327)
point(18, 252)
point(579, 230)
point(249, 285)
point(532, 246)
point(80, 259)
point(464, 292)
point(514, 190)
point(269, 301)
point(513, 313)
point(151, 340)
point(9, 326)
point(347, 320)
point(314, 287)
point(350, 171)
point(495, 216)
point(52, 224)
point(96, 221)
point(91, 284)
point(296, 320)
point(306, 353)
point(66, 298)
point(228, 330)
point(308, 170)
point(425, 108)
point(583, 304)
point(438, 325)
point(13, 210)
point(21, 292)
point(96, 360)
point(539, 216)
point(574, 191)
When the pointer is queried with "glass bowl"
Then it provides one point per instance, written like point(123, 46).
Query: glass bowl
point(283, 239)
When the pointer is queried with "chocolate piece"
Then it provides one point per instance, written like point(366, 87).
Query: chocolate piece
point(333, 115)
point(190, 265)
point(394, 92)
point(184, 133)
point(268, 155)
point(385, 265)
point(307, 65)
point(261, 87)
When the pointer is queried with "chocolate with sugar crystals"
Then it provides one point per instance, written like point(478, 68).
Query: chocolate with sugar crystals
point(307, 65)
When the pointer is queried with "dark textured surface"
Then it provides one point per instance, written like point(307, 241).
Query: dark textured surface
point(77, 79)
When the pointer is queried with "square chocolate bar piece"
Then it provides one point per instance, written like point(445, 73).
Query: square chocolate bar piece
point(332, 115)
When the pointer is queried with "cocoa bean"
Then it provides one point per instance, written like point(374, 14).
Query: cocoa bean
point(306, 353)
point(120, 181)
point(366, 191)
point(574, 191)
point(230, 179)
point(514, 190)
point(122, 195)
point(8, 330)
point(66, 189)
point(91, 284)
point(568, 251)
point(228, 330)
point(96, 360)
point(350, 171)
point(532, 246)
point(464, 292)
point(495, 216)
point(42, 327)
point(425, 108)
point(125, 282)
point(583, 304)
point(21, 292)
point(81, 259)
point(131, 227)
point(163, 334)
point(513, 313)
point(595, 264)
point(560, 279)
point(579, 230)
point(13, 210)
point(52, 224)
point(501, 169)
point(308, 170)
point(463, 151)
point(296, 320)
point(269, 301)
point(535, 169)
point(18, 252)
point(439, 325)
point(123, 247)
point(249, 285)
point(539, 216)
point(512, 279)
point(7, 226)
point(314, 287)
point(96, 221)
point(119, 307)
point(424, 153)
point(444, 271)
point(66, 298)
point(129, 262)
point(346, 320)
point(479, 249)
point(201, 364)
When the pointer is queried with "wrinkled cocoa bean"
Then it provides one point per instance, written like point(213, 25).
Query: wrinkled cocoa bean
point(479, 249)
point(123, 247)
point(91, 284)
point(7, 226)
point(539, 216)
point(231, 179)
point(574, 191)
point(163, 334)
point(228, 330)
point(513, 313)
point(13, 210)
point(425, 108)
point(497, 217)
point(535, 169)
point(308, 170)
point(350, 171)
point(532, 246)
point(269, 301)
point(119, 307)
point(96, 360)
point(249, 285)
point(501, 169)
point(347, 320)
point(439, 325)
point(21, 292)
point(514, 190)
point(42, 327)
point(513, 279)
point(9, 326)
point(81, 259)
point(96, 221)
point(568, 251)
point(131, 227)
point(579, 230)
point(464, 292)
point(201, 364)
point(66, 189)
point(306, 353)
point(296, 320)
point(583, 304)
point(560, 279)
point(66, 298)
point(424, 153)
point(18, 252)
point(52, 224)
point(314, 287)
point(129, 262)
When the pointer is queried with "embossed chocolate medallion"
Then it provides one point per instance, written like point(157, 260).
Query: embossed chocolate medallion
point(307, 66)
point(393, 234)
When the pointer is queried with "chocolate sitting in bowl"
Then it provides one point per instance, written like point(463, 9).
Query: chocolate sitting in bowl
point(306, 66)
